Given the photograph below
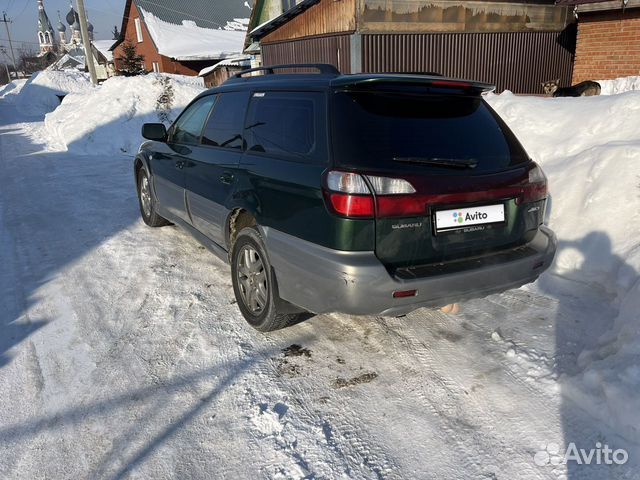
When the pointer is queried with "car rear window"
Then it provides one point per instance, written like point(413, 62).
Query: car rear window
point(287, 124)
point(390, 130)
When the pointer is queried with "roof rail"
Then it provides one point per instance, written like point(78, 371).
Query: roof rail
point(323, 68)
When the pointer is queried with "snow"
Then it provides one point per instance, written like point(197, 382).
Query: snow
point(189, 41)
point(590, 149)
point(240, 60)
point(12, 88)
point(40, 94)
point(123, 354)
point(619, 85)
point(103, 47)
point(114, 112)
point(206, 70)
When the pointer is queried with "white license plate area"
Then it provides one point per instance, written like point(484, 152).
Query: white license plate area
point(457, 218)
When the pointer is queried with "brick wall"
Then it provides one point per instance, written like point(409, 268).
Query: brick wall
point(608, 45)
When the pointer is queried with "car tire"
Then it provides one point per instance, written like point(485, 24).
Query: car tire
point(147, 202)
point(255, 287)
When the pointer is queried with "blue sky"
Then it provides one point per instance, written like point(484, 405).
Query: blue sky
point(104, 14)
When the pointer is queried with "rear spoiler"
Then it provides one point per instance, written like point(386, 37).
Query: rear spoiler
point(452, 85)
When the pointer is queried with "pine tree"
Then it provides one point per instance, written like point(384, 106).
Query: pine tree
point(130, 64)
point(115, 32)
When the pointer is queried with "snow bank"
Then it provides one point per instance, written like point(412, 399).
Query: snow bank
point(11, 89)
point(619, 85)
point(39, 94)
point(590, 149)
point(108, 120)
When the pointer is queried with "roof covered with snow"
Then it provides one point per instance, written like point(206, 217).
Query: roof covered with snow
point(197, 29)
point(239, 61)
point(189, 41)
point(103, 47)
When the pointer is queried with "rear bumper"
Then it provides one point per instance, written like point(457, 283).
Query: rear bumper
point(323, 280)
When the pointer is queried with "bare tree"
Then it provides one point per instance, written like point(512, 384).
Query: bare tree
point(4, 70)
point(30, 62)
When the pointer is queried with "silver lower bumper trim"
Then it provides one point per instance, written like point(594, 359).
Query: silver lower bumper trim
point(323, 280)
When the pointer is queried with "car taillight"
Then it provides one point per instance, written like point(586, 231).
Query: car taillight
point(351, 195)
point(359, 206)
point(536, 189)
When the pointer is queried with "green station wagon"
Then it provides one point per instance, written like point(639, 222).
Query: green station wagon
point(368, 194)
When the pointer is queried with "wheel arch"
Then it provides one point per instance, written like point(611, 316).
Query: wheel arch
point(238, 218)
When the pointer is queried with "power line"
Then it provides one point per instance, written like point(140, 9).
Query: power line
point(24, 9)
point(18, 41)
point(6, 24)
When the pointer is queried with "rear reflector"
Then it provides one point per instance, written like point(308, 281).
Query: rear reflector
point(404, 293)
point(360, 206)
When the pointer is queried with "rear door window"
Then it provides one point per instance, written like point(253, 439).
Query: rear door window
point(290, 125)
point(224, 127)
point(188, 128)
point(398, 130)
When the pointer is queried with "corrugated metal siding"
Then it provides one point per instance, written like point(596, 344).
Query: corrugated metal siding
point(517, 61)
point(334, 49)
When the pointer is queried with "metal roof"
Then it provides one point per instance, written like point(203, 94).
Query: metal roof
point(213, 14)
point(205, 13)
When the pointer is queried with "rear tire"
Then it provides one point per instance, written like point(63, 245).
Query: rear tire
point(147, 202)
point(254, 285)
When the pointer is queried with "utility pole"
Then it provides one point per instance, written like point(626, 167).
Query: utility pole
point(6, 65)
point(88, 53)
point(6, 24)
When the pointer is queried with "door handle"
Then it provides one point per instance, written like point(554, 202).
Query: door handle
point(226, 178)
point(180, 165)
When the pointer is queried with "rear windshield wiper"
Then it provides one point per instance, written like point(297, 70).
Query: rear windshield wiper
point(440, 162)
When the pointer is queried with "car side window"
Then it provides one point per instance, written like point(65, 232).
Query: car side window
point(224, 127)
point(288, 124)
point(188, 128)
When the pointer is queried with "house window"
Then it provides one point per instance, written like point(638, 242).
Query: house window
point(156, 67)
point(41, 37)
point(138, 29)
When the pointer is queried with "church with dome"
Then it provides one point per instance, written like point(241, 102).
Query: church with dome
point(65, 39)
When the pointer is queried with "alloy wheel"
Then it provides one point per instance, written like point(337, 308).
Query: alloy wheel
point(252, 279)
point(145, 196)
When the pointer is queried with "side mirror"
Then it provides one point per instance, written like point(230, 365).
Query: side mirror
point(154, 131)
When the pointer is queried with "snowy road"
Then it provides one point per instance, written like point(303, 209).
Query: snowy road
point(123, 355)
